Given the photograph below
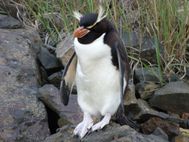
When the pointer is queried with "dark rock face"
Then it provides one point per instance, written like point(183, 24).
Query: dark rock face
point(172, 97)
point(141, 111)
point(22, 116)
point(47, 64)
point(144, 74)
point(169, 128)
point(70, 114)
point(145, 89)
point(145, 47)
point(111, 133)
point(64, 49)
point(8, 22)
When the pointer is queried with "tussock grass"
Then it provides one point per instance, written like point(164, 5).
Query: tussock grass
point(166, 20)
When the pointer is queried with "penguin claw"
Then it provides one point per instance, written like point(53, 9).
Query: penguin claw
point(102, 123)
point(83, 128)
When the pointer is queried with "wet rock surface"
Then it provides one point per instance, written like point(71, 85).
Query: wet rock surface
point(22, 115)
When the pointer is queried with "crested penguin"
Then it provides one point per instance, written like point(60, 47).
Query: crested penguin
point(100, 69)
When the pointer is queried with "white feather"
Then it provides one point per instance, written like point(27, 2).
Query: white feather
point(96, 78)
point(77, 15)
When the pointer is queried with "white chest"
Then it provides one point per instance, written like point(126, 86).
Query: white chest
point(95, 50)
point(97, 79)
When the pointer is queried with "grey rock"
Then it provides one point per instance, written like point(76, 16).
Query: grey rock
point(171, 129)
point(131, 39)
point(141, 111)
point(149, 48)
point(47, 64)
point(22, 116)
point(48, 60)
point(172, 97)
point(71, 113)
point(159, 132)
point(147, 74)
point(145, 89)
point(55, 79)
point(130, 97)
point(64, 49)
point(111, 133)
point(8, 22)
point(145, 47)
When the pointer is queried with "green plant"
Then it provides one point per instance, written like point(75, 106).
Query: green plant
point(166, 20)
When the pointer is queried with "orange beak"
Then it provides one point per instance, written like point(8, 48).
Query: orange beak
point(80, 32)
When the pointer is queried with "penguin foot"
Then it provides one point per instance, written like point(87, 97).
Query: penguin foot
point(102, 123)
point(83, 127)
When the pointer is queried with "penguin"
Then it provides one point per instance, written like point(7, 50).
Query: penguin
point(99, 67)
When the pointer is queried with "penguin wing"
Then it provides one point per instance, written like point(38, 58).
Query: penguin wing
point(123, 66)
point(68, 79)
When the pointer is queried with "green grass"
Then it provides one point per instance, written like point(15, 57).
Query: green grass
point(166, 20)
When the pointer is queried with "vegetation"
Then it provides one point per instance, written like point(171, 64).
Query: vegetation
point(166, 20)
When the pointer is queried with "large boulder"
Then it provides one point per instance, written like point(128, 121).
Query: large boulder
point(22, 116)
point(173, 97)
point(70, 114)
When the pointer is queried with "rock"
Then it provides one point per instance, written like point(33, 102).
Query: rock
point(145, 89)
point(159, 132)
point(130, 39)
point(147, 74)
point(111, 133)
point(44, 67)
point(69, 114)
point(22, 117)
point(8, 22)
point(141, 111)
point(148, 49)
point(130, 97)
point(44, 56)
point(145, 47)
point(55, 79)
point(64, 49)
point(172, 97)
point(169, 128)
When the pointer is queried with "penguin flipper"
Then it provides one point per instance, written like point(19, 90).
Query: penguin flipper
point(123, 65)
point(68, 79)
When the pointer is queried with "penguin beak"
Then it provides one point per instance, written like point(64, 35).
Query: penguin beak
point(80, 32)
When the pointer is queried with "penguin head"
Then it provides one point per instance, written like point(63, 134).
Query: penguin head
point(90, 25)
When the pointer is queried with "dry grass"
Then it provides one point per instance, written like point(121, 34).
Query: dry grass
point(166, 20)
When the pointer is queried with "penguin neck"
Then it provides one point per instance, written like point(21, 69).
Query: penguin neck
point(89, 38)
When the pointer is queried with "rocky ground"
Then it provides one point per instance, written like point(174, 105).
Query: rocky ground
point(30, 107)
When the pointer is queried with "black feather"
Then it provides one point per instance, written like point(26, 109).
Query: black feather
point(65, 91)
point(88, 19)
